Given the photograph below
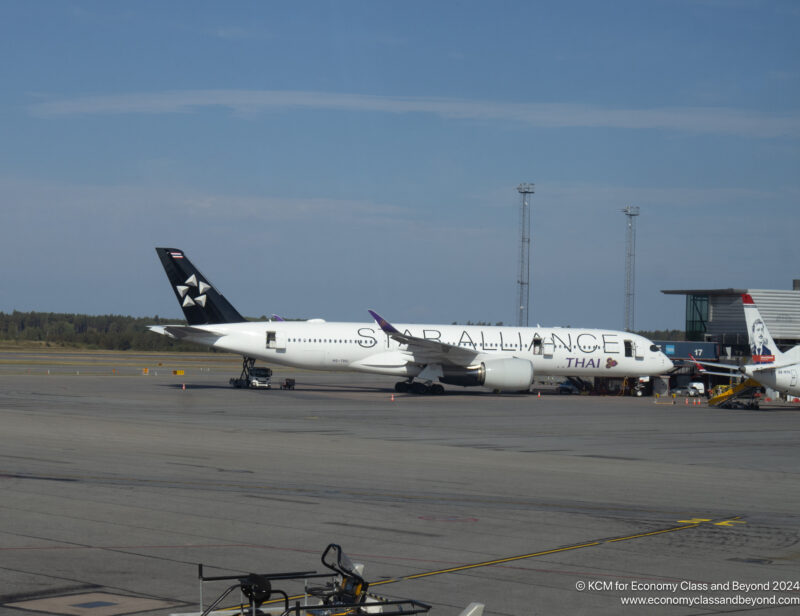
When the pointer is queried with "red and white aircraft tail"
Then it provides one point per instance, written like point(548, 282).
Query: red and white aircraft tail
point(762, 347)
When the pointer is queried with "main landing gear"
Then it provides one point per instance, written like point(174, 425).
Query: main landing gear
point(418, 387)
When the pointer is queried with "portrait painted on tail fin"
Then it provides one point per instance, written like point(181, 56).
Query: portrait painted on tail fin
point(762, 346)
point(762, 354)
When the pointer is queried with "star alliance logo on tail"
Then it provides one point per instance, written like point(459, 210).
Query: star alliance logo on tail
point(183, 291)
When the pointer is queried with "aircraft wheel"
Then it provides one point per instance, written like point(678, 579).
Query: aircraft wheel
point(436, 389)
point(419, 388)
point(401, 387)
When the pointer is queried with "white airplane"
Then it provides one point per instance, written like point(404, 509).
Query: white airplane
point(499, 358)
point(770, 367)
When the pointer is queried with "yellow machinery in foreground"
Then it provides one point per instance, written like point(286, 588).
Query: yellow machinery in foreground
point(737, 396)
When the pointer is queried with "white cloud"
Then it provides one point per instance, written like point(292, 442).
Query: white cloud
point(708, 120)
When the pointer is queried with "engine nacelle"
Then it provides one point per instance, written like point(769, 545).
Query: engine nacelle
point(509, 374)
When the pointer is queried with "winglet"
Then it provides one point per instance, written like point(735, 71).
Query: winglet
point(383, 323)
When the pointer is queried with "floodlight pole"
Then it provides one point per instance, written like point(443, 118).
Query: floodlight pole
point(630, 211)
point(524, 281)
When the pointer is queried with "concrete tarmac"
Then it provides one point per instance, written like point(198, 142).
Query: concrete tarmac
point(116, 484)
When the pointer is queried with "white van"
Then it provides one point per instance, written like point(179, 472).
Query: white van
point(699, 386)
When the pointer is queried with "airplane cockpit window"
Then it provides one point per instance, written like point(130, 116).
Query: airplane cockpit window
point(655, 347)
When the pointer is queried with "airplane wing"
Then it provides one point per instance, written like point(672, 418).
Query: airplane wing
point(700, 363)
point(734, 369)
point(763, 367)
point(424, 351)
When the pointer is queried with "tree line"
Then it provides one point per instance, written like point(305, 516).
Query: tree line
point(123, 333)
point(108, 332)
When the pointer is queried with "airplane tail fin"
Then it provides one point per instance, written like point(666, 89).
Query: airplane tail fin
point(201, 303)
point(762, 346)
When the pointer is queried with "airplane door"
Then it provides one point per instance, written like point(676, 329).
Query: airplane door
point(276, 340)
point(628, 348)
point(794, 378)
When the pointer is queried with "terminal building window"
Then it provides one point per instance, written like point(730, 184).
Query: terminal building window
point(696, 317)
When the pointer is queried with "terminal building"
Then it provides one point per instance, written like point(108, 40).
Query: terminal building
point(716, 328)
point(717, 315)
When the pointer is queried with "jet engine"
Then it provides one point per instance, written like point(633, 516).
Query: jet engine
point(509, 374)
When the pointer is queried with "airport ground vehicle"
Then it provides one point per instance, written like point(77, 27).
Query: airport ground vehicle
point(341, 592)
point(691, 392)
point(700, 387)
point(253, 376)
point(567, 388)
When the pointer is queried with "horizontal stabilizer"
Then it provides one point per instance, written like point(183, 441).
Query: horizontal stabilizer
point(180, 332)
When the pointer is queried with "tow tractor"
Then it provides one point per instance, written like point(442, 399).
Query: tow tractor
point(252, 376)
point(341, 592)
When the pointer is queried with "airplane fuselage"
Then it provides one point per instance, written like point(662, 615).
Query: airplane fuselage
point(498, 358)
point(785, 379)
point(364, 347)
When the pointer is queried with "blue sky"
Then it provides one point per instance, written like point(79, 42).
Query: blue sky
point(316, 159)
